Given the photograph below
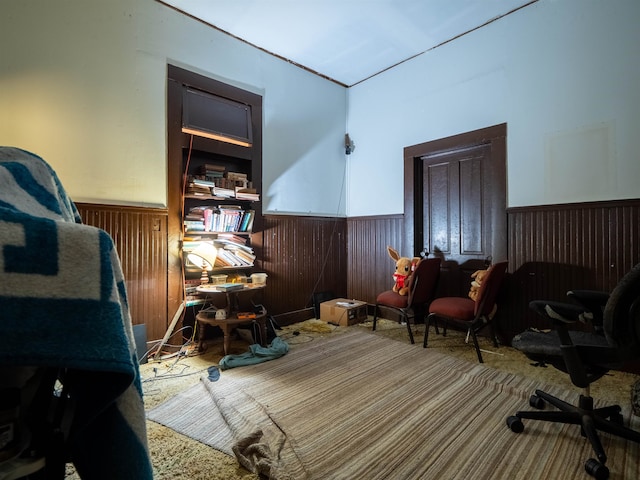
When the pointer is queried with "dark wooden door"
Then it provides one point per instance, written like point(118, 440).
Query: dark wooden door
point(458, 197)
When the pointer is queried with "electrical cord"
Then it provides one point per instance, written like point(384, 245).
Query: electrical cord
point(328, 252)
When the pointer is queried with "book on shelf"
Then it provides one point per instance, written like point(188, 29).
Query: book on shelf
point(247, 221)
point(223, 192)
point(237, 176)
point(201, 182)
point(247, 257)
point(193, 226)
point(226, 258)
point(210, 168)
point(199, 190)
point(231, 238)
point(229, 287)
point(247, 194)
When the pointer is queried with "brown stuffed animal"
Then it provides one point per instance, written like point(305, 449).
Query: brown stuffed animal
point(476, 280)
point(404, 268)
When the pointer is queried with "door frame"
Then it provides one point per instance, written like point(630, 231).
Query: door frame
point(494, 136)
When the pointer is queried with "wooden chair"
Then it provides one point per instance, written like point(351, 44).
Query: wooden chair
point(467, 313)
point(422, 283)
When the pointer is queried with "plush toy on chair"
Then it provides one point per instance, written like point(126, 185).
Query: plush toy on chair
point(404, 268)
point(415, 282)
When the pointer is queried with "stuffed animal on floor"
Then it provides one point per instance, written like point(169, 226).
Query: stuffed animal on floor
point(476, 280)
point(404, 268)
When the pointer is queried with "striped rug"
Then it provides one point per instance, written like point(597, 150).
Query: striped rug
point(360, 406)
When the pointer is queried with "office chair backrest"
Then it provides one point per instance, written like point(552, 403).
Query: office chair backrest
point(489, 288)
point(425, 279)
point(622, 312)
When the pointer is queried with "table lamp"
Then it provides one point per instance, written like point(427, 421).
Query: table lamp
point(204, 256)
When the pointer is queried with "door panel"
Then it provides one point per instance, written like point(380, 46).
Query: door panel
point(437, 208)
point(458, 189)
point(471, 201)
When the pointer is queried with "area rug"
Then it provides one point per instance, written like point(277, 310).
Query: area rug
point(358, 405)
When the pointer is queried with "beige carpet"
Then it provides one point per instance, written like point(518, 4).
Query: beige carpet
point(359, 405)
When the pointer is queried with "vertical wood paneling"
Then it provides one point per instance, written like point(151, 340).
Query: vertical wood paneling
point(370, 268)
point(551, 250)
point(302, 256)
point(556, 248)
point(140, 237)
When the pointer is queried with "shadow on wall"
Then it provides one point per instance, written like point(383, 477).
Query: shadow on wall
point(536, 281)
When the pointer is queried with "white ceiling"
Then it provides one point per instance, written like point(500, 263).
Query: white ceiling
point(346, 41)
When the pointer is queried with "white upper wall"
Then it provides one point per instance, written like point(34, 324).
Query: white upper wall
point(564, 76)
point(83, 85)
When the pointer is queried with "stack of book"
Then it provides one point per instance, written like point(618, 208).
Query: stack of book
point(211, 172)
point(239, 180)
point(223, 189)
point(231, 251)
point(199, 186)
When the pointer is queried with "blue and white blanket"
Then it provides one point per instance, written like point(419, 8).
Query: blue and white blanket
point(63, 304)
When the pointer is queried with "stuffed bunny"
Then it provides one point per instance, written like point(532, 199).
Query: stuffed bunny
point(404, 268)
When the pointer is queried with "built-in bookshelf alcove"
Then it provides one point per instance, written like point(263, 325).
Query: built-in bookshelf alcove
point(211, 120)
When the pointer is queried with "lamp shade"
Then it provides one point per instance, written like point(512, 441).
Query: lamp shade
point(204, 256)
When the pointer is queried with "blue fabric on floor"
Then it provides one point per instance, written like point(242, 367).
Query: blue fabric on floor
point(213, 374)
point(256, 354)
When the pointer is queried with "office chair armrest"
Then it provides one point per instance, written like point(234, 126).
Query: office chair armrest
point(557, 312)
point(591, 299)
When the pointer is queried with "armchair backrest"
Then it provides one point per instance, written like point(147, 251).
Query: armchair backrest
point(489, 288)
point(622, 312)
point(424, 281)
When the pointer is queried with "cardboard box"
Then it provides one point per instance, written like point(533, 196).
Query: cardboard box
point(343, 312)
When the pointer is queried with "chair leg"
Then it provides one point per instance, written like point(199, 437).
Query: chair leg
point(406, 319)
point(475, 343)
point(494, 336)
point(375, 316)
point(427, 322)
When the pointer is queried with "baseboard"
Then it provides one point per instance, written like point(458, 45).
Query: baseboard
point(289, 318)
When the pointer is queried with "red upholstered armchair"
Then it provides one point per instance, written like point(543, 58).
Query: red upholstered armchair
point(422, 287)
point(467, 313)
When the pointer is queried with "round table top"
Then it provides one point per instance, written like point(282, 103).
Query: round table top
point(213, 288)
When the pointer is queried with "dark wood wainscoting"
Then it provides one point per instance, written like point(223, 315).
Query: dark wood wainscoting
point(140, 236)
point(555, 248)
point(551, 248)
point(370, 269)
point(301, 256)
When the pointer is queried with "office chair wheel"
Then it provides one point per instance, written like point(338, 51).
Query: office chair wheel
point(536, 402)
point(515, 424)
point(596, 469)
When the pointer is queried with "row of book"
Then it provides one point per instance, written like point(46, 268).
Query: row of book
point(221, 188)
point(232, 251)
point(222, 218)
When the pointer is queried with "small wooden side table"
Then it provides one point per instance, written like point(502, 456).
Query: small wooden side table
point(227, 325)
point(232, 321)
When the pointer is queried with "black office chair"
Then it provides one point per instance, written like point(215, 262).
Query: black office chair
point(586, 357)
